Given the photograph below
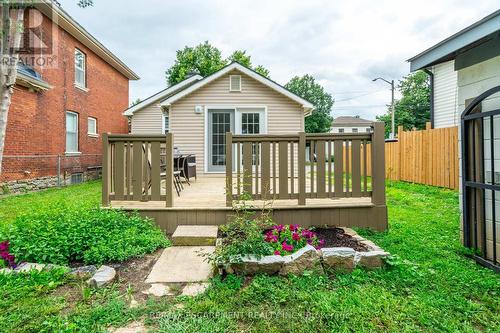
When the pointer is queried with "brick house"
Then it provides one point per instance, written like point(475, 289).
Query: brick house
point(59, 110)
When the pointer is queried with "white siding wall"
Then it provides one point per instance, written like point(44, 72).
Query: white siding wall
point(147, 120)
point(445, 95)
point(284, 115)
point(472, 81)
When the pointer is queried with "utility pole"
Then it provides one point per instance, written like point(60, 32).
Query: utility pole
point(393, 125)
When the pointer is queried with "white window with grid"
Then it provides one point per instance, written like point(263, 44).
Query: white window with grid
point(92, 126)
point(235, 83)
point(80, 69)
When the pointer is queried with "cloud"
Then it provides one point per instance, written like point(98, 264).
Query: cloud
point(344, 44)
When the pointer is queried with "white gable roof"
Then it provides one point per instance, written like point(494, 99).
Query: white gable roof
point(308, 107)
point(160, 96)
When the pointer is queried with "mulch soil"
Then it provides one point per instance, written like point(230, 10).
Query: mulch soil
point(335, 237)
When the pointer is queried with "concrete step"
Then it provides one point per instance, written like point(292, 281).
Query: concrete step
point(195, 235)
point(180, 264)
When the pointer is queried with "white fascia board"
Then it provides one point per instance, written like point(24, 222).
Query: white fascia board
point(160, 95)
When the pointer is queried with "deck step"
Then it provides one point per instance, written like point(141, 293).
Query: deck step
point(195, 235)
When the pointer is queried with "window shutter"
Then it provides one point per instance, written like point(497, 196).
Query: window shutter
point(235, 83)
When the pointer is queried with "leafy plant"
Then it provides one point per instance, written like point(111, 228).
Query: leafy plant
point(288, 239)
point(93, 236)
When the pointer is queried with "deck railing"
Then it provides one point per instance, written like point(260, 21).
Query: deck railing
point(276, 166)
point(135, 166)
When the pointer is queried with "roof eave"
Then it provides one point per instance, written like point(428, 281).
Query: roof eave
point(486, 26)
point(29, 82)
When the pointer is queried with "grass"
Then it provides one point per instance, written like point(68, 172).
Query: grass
point(430, 286)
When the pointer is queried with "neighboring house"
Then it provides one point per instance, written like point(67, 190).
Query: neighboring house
point(475, 55)
point(444, 90)
point(199, 111)
point(58, 112)
point(349, 124)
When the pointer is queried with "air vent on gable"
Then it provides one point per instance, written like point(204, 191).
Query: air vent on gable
point(235, 83)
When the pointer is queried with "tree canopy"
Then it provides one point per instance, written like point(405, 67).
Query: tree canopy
point(413, 109)
point(306, 87)
point(205, 59)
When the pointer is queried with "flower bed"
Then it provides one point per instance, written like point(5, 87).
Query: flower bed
point(298, 249)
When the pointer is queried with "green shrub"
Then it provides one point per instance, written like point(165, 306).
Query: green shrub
point(92, 236)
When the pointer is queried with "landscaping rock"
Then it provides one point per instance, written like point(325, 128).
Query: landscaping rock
point(339, 258)
point(250, 265)
point(159, 290)
point(83, 271)
point(28, 266)
point(372, 259)
point(304, 259)
point(103, 276)
point(194, 289)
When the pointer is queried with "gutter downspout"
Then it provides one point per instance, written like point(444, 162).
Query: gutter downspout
point(431, 76)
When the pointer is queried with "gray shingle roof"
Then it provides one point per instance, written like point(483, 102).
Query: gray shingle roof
point(350, 121)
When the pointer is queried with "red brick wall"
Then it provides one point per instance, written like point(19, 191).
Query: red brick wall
point(36, 121)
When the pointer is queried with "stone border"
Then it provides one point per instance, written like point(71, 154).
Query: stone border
point(308, 258)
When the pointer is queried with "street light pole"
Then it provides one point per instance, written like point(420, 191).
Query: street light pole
point(393, 125)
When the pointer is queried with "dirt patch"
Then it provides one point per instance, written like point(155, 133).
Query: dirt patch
point(130, 280)
point(336, 237)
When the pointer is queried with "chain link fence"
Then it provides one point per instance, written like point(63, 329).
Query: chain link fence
point(24, 173)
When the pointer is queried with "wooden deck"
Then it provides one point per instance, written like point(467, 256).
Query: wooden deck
point(204, 203)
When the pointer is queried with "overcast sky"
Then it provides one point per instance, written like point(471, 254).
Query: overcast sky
point(344, 44)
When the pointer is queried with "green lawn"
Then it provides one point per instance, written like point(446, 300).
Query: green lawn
point(431, 285)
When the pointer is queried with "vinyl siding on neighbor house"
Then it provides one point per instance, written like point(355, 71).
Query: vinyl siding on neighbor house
point(445, 95)
point(147, 120)
point(284, 116)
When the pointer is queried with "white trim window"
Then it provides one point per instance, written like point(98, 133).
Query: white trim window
point(92, 126)
point(165, 127)
point(234, 82)
point(355, 130)
point(71, 132)
point(80, 69)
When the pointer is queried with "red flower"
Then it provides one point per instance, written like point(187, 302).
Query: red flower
point(295, 236)
point(4, 246)
point(277, 253)
point(293, 227)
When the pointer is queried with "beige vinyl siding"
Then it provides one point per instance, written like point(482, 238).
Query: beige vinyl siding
point(147, 120)
point(283, 114)
point(445, 95)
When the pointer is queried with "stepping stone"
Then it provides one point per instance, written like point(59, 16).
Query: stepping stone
point(158, 290)
point(133, 327)
point(194, 235)
point(194, 289)
point(180, 264)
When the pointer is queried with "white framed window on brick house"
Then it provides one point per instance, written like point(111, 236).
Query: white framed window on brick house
point(71, 132)
point(166, 123)
point(355, 130)
point(80, 69)
point(234, 82)
point(92, 126)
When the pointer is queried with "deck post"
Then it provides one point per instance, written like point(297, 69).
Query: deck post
point(302, 168)
point(229, 169)
point(106, 168)
point(378, 164)
point(169, 176)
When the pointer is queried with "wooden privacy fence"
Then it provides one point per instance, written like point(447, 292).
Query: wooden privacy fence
point(275, 167)
point(427, 157)
point(135, 166)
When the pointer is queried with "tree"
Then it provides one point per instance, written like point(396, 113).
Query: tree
point(412, 111)
point(12, 23)
point(306, 87)
point(205, 59)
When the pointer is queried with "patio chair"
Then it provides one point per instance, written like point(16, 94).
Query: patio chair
point(163, 175)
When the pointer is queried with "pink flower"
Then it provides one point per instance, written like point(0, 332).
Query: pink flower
point(293, 227)
point(295, 236)
point(306, 233)
point(279, 228)
point(287, 247)
point(277, 253)
point(4, 246)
